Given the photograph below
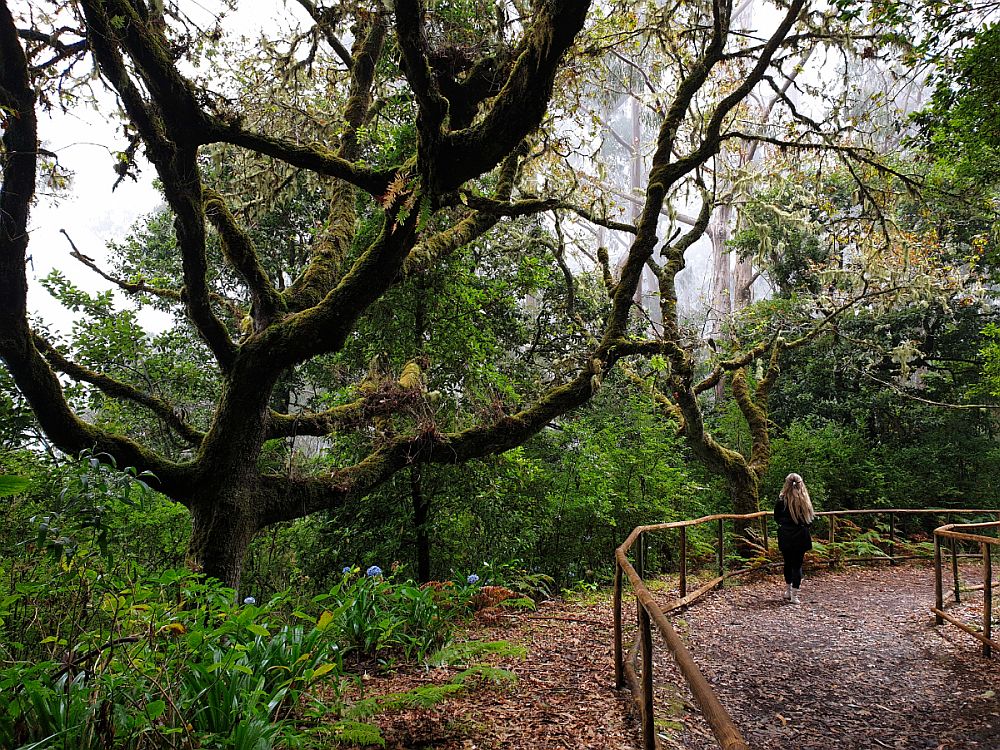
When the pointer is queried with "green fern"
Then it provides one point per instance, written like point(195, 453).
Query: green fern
point(519, 603)
point(425, 696)
point(494, 675)
point(357, 733)
point(466, 651)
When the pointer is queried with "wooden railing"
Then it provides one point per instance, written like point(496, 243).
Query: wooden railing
point(648, 611)
point(961, 532)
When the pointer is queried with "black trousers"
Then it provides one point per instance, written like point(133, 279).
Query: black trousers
point(793, 566)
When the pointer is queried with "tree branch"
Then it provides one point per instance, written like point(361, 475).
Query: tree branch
point(238, 249)
point(312, 157)
point(119, 390)
point(323, 25)
point(331, 247)
point(435, 248)
point(431, 103)
point(458, 156)
point(174, 157)
point(381, 402)
point(141, 287)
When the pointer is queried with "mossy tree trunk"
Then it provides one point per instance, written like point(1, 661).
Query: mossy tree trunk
point(421, 524)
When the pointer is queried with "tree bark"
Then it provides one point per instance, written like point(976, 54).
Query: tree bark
point(744, 489)
point(221, 532)
point(421, 515)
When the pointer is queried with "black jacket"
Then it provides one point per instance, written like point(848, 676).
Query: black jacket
point(792, 536)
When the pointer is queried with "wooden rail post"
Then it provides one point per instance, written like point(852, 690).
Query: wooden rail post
point(987, 598)
point(892, 538)
point(954, 568)
point(722, 552)
point(683, 585)
point(619, 657)
point(640, 569)
point(640, 556)
point(832, 539)
point(763, 532)
point(938, 583)
point(648, 725)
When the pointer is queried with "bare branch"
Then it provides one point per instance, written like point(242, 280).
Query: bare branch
point(323, 24)
point(141, 287)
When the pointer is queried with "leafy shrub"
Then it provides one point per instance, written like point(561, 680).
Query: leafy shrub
point(173, 655)
point(375, 615)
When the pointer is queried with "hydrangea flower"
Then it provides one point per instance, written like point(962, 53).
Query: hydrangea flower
point(346, 570)
point(473, 579)
point(373, 571)
point(249, 600)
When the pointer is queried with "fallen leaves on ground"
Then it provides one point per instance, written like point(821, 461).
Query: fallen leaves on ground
point(859, 665)
point(564, 696)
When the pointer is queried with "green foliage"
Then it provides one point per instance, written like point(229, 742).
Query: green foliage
point(79, 522)
point(172, 654)
point(169, 655)
point(961, 123)
point(534, 519)
point(12, 485)
point(378, 616)
point(839, 465)
point(464, 652)
point(347, 732)
point(17, 423)
point(990, 352)
point(421, 697)
point(98, 653)
point(782, 228)
point(515, 576)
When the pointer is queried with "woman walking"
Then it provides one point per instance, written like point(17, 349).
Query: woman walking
point(793, 513)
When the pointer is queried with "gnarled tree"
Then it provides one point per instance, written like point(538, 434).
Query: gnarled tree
point(477, 85)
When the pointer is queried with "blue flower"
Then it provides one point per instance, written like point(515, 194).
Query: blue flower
point(249, 600)
point(373, 571)
point(473, 579)
point(346, 570)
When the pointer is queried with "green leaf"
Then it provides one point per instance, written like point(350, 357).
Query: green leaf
point(12, 485)
point(155, 709)
point(258, 630)
point(323, 669)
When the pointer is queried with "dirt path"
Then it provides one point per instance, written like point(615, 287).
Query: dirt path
point(857, 666)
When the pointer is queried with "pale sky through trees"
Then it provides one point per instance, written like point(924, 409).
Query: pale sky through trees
point(89, 212)
point(85, 139)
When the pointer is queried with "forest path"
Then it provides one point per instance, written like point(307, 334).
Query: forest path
point(858, 665)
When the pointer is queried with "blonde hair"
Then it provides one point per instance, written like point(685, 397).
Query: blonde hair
point(796, 498)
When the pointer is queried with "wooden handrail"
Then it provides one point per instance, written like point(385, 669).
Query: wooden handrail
point(986, 544)
point(718, 718)
point(726, 733)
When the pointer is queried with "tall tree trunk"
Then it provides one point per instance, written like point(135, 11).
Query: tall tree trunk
point(744, 489)
point(744, 492)
point(721, 304)
point(743, 278)
point(228, 503)
point(421, 514)
point(221, 532)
